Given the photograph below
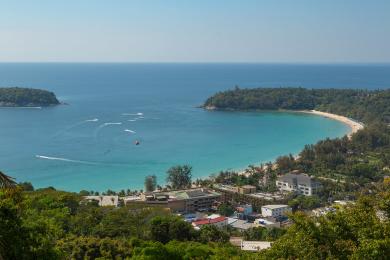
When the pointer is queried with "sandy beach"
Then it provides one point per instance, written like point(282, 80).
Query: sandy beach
point(354, 125)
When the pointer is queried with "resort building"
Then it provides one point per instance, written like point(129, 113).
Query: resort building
point(300, 183)
point(275, 211)
point(182, 201)
point(103, 200)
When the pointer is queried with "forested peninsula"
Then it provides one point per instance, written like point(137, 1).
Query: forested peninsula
point(362, 105)
point(26, 97)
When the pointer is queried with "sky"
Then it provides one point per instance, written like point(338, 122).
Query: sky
point(282, 31)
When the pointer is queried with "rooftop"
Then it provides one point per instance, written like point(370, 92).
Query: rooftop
point(188, 194)
point(209, 221)
point(299, 178)
point(275, 206)
point(248, 187)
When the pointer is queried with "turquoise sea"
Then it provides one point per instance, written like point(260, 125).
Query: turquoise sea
point(89, 144)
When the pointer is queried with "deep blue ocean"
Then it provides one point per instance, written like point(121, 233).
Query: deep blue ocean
point(89, 144)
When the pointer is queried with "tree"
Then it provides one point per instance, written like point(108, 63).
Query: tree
point(27, 186)
point(150, 183)
point(210, 233)
point(179, 177)
point(225, 210)
point(167, 228)
point(285, 163)
point(6, 181)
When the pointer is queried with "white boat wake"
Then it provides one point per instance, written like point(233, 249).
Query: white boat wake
point(130, 131)
point(65, 160)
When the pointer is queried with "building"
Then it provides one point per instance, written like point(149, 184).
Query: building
point(247, 189)
point(300, 183)
point(182, 201)
point(262, 222)
point(239, 224)
point(243, 211)
point(255, 245)
point(103, 200)
point(218, 221)
point(275, 211)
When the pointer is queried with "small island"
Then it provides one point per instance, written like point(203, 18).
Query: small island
point(27, 97)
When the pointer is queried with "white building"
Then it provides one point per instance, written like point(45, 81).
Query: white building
point(275, 210)
point(300, 183)
point(255, 245)
point(104, 200)
point(262, 222)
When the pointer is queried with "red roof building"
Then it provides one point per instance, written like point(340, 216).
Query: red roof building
point(219, 222)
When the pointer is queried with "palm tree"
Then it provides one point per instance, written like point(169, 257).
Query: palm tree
point(6, 181)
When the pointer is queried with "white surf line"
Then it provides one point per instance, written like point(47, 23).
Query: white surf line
point(65, 160)
point(130, 131)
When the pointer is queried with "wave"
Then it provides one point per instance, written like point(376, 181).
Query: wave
point(132, 120)
point(106, 124)
point(133, 114)
point(130, 131)
point(65, 160)
point(92, 120)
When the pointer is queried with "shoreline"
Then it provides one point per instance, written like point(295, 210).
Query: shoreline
point(354, 125)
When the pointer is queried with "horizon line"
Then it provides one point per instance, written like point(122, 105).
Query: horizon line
point(204, 62)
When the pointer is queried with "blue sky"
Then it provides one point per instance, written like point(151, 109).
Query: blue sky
point(310, 31)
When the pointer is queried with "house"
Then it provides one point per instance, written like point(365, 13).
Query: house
point(255, 245)
point(183, 201)
point(297, 182)
point(218, 221)
point(103, 200)
point(275, 211)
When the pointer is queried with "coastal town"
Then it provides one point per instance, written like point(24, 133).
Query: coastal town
point(229, 207)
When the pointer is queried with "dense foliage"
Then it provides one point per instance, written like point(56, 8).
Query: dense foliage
point(50, 224)
point(179, 177)
point(26, 97)
point(362, 105)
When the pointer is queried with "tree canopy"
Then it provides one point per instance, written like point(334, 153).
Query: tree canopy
point(16, 97)
point(179, 177)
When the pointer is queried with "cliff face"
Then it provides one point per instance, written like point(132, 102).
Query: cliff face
point(26, 97)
